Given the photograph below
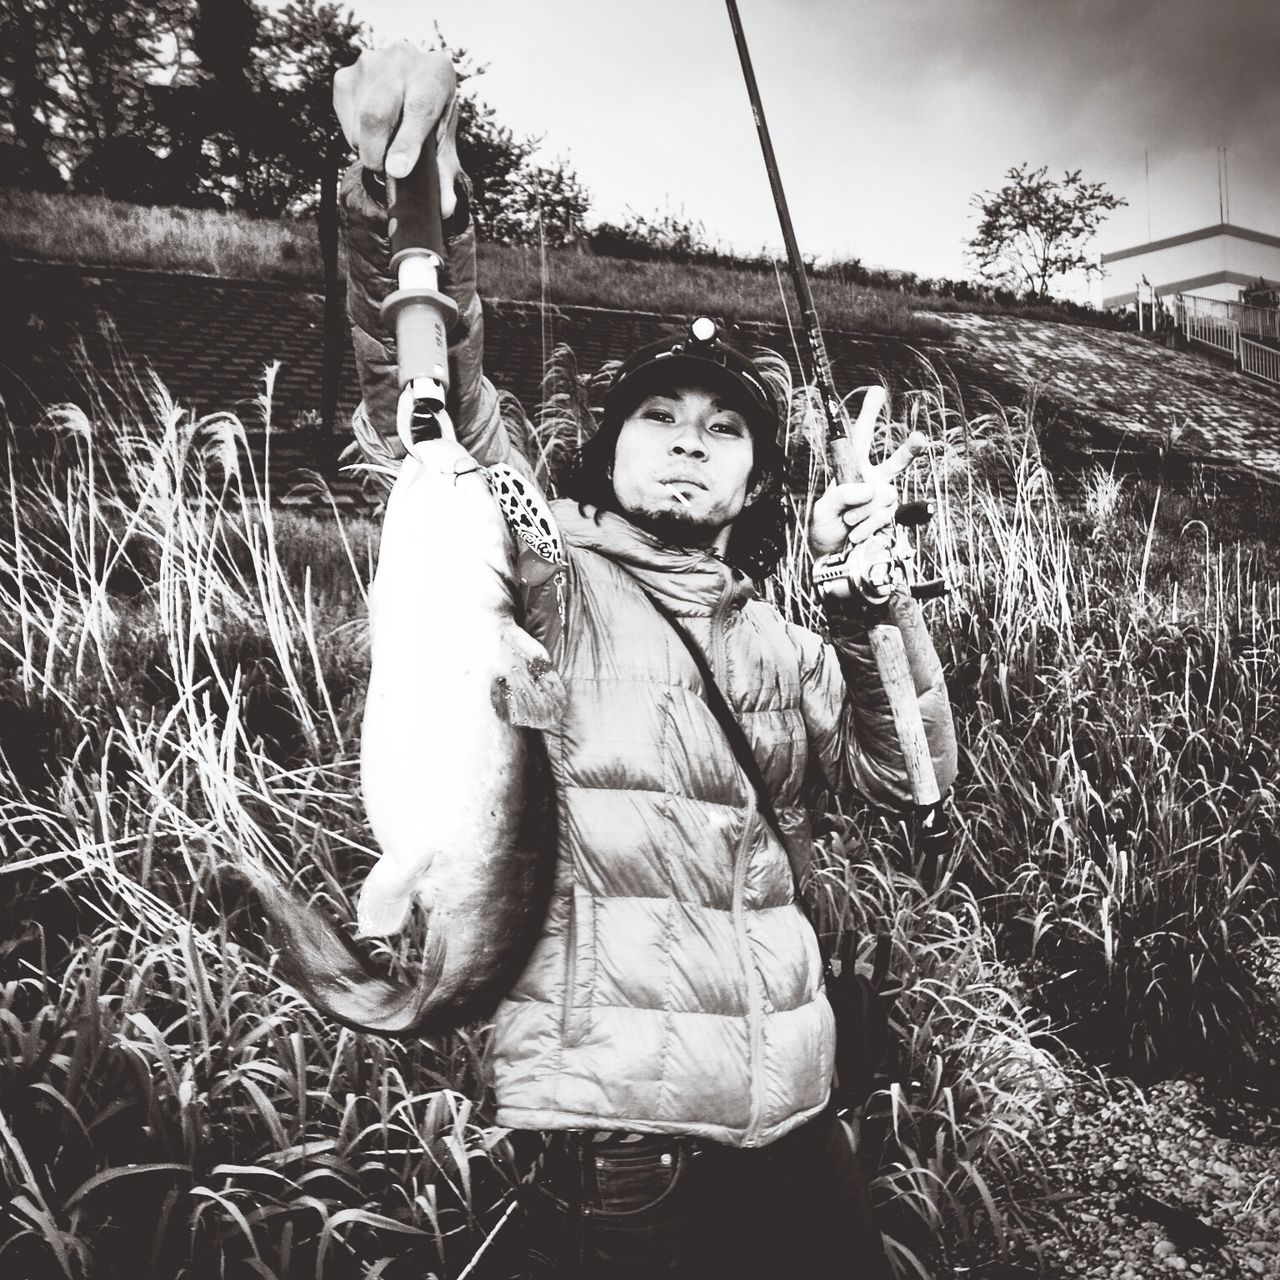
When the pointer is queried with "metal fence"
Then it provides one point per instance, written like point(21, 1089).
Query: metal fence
point(1259, 360)
point(1208, 324)
point(1223, 326)
point(1263, 322)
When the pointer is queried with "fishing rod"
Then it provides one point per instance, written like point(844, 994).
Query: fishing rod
point(868, 573)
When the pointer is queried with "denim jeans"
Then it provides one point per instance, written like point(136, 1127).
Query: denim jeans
point(675, 1208)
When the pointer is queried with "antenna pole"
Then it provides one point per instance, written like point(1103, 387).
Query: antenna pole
point(1146, 165)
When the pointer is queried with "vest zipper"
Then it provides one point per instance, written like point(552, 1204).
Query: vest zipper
point(755, 995)
point(570, 967)
point(718, 658)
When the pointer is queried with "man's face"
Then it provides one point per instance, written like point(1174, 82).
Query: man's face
point(682, 465)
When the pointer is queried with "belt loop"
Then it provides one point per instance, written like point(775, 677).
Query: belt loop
point(587, 1186)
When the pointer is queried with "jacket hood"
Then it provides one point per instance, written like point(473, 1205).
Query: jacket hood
point(691, 580)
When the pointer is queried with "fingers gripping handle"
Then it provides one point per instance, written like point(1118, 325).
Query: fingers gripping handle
point(414, 205)
point(851, 460)
point(419, 313)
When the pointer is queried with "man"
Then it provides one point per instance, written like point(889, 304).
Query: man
point(670, 1031)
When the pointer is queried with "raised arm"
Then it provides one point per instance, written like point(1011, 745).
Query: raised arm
point(847, 709)
point(388, 102)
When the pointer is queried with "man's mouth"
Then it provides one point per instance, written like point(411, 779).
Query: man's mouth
point(695, 484)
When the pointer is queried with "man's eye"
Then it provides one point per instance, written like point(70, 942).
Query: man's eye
point(659, 415)
point(728, 428)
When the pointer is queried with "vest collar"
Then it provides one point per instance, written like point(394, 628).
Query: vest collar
point(690, 580)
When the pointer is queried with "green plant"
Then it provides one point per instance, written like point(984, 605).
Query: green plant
point(951, 1131)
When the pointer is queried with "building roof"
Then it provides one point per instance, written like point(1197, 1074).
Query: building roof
point(1204, 233)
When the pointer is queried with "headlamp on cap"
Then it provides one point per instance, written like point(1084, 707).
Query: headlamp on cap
point(702, 331)
point(701, 357)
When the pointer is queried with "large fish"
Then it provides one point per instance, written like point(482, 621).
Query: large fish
point(453, 772)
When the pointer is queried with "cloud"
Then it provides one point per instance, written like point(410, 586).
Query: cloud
point(1170, 74)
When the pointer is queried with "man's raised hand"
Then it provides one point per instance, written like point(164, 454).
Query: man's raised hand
point(389, 100)
point(847, 514)
point(863, 506)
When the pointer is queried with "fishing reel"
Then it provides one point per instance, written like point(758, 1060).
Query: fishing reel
point(419, 313)
point(870, 572)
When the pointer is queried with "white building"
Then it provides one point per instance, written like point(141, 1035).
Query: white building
point(1214, 262)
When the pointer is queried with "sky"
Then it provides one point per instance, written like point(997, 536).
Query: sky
point(887, 115)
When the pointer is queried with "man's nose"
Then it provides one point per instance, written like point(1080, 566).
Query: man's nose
point(689, 440)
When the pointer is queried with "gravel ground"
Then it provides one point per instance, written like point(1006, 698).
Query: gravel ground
point(1117, 1144)
point(1121, 1149)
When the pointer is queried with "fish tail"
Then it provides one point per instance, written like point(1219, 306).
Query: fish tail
point(528, 690)
point(320, 961)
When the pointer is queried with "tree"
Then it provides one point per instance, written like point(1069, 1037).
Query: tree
point(1034, 229)
point(515, 198)
point(28, 102)
point(302, 46)
point(71, 73)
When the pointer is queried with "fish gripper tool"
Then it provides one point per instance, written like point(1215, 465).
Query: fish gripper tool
point(418, 313)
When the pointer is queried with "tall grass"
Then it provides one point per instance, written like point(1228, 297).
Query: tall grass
point(1119, 684)
point(170, 1108)
point(182, 668)
point(689, 289)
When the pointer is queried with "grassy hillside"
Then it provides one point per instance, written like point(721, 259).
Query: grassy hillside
point(101, 232)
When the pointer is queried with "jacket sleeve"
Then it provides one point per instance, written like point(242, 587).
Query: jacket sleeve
point(846, 709)
point(473, 404)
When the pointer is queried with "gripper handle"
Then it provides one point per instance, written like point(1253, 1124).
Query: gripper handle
point(419, 313)
point(851, 461)
point(414, 205)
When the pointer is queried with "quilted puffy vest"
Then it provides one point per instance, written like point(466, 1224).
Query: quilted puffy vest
point(676, 986)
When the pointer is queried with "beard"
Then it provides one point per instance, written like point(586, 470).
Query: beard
point(674, 528)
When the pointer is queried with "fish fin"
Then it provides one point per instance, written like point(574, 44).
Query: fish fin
point(386, 896)
point(528, 691)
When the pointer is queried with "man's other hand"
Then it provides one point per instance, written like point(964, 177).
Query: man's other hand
point(848, 514)
point(389, 100)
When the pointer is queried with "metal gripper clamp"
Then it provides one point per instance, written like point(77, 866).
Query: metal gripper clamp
point(870, 572)
point(419, 313)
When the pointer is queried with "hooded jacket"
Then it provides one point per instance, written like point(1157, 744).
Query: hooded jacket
point(676, 986)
